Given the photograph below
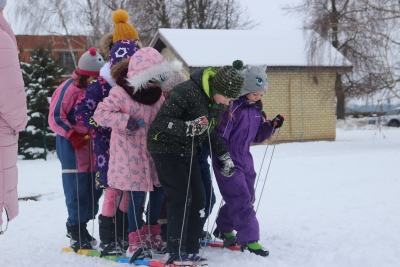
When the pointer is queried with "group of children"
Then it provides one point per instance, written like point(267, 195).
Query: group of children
point(129, 124)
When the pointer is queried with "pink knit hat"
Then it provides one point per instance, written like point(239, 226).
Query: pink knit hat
point(147, 64)
point(90, 63)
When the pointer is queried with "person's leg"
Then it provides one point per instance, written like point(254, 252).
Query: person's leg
point(173, 175)
point(94, 196)
point(135, 210)
point(76, 194)
point(238, 208)
point(154, 206)
point(206, 179)
point(197, 210)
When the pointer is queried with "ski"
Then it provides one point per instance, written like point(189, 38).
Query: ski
point(218, 244)
point(120, 259)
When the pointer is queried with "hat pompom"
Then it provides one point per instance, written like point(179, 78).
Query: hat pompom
point(120, 16)
point(92, 51)
point(238, 65)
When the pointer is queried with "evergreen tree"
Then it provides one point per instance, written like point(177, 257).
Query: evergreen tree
point(41, 76)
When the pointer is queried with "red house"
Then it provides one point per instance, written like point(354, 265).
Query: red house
point(58, 44)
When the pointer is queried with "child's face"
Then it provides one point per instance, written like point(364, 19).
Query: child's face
point(220, 99)
point(254, 97)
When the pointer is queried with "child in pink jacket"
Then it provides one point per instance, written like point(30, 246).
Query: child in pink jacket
point(129, 110)
point(73, 150)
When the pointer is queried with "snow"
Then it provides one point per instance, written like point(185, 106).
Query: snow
point(324, 204)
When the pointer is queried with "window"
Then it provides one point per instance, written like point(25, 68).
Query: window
point(65, 61)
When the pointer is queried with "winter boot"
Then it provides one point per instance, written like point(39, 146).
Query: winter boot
point(229, 239)
point(108, 244)
point(154, 239)
point(91, 239)
point(255, 248)
point(78, 237)
point(138, 249)
point(122, 229)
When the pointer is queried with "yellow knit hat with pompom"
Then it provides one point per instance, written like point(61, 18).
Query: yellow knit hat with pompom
point(123, 30)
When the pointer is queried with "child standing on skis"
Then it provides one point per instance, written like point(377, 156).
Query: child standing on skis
point(185, 120)
point(115, 202)
point(113, 223)
point(129, 110)
point(245, 123)
point(73, 150)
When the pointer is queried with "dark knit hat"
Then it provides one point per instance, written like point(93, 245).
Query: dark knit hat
point(229, 80)
point(122, 49)
point(90, 63)
point(123, 30)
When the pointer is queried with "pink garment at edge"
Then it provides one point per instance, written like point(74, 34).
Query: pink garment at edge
point(140, 174)
point(112, 197)
point(13, 119)
point(61, 104)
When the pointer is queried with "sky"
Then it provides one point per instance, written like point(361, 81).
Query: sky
point(324, 204)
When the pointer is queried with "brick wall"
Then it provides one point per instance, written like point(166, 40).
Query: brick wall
point(308, 102)
point(307, 99)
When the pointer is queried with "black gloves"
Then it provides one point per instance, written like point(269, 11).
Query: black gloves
point(278, 121)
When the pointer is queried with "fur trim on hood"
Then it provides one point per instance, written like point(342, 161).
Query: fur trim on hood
point(158, 73)
point(105, 44)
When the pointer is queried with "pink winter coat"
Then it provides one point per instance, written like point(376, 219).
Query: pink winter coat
point(13, 119)
point(139, 174)
point(62, 121)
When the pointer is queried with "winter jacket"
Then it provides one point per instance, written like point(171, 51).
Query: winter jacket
point(245, 126)
point(62, 121)
point(13, 119)
point(186, 102)
point(131, 166)
point(84, 110)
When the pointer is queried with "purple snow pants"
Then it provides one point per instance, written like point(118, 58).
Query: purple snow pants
point(238, 192)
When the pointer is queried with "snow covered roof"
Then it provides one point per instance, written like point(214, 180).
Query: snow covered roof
point(201, 48)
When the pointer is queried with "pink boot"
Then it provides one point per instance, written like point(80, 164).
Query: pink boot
point(137, 240)
point(154, 240)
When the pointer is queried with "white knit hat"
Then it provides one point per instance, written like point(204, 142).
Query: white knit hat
point(90, 63)
point(3, 4)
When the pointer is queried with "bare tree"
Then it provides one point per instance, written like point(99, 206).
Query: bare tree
point(364, 33)
point(92, 18)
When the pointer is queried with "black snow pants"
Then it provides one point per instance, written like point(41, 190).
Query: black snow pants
point(173, 173)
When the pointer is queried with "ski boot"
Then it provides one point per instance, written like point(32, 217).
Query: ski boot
point(229, 239)
point(255, 248)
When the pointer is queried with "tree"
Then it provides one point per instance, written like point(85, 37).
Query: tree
point(41, 77)
point(92, 18)
point(363, 33)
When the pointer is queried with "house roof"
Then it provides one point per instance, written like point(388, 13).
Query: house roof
point(208, 47)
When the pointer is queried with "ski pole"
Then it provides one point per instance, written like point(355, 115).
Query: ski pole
point(269, 165)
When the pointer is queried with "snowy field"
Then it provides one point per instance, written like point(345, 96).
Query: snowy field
point(324, 204)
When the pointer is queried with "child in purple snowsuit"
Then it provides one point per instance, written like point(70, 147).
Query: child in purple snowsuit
point(115, 202)
point(243, 124)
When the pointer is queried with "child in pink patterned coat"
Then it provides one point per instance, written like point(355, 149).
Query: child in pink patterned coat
point(129, 110)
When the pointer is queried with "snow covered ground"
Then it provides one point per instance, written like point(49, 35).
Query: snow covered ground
point(324, 204)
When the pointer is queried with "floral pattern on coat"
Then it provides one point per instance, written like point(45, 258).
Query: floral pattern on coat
point(131, 167)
